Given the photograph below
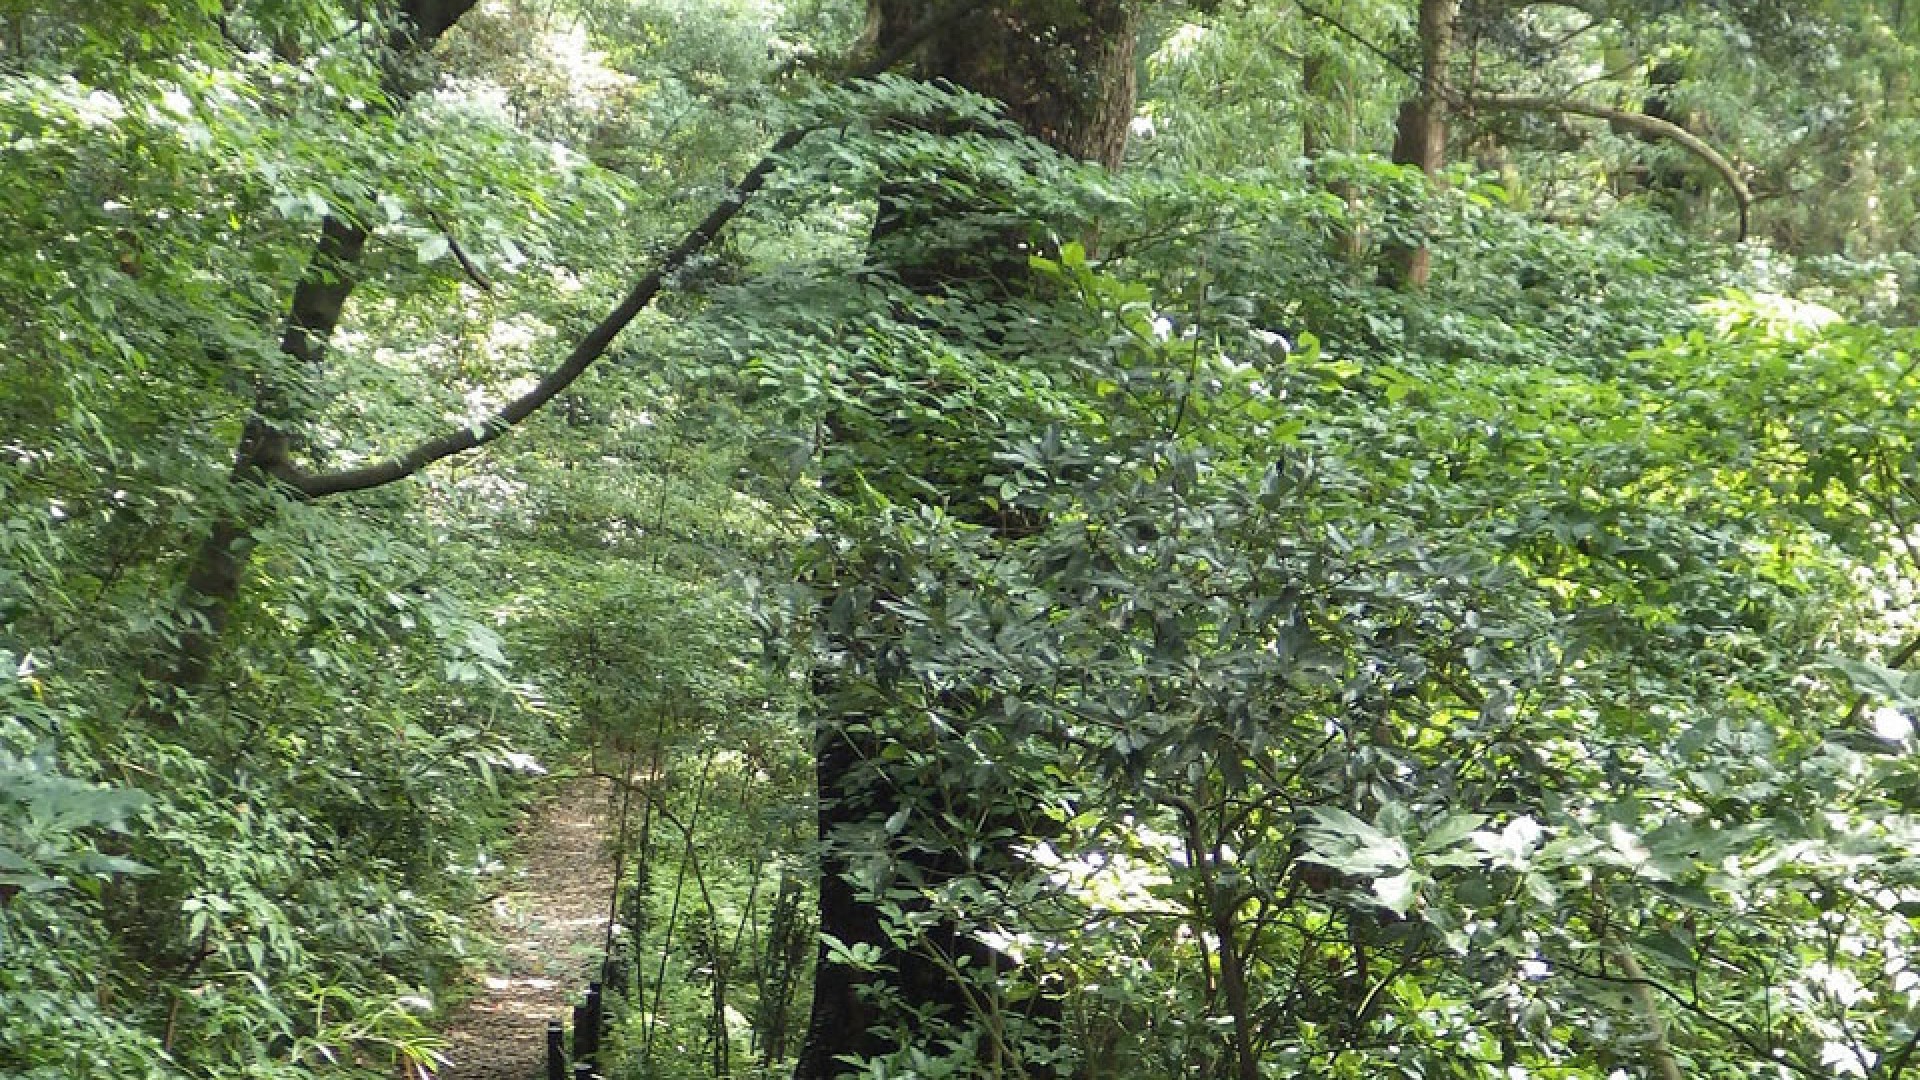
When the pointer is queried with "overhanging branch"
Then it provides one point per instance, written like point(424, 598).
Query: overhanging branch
point(594, 345)
point(1761, 1050)
point(1360, 39)
point(1650, 126)
point(585, 352)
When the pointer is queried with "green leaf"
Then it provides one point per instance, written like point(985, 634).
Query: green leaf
point(1397, 892)
point(1450, 830)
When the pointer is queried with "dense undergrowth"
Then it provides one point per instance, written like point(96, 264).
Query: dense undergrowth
point(1262, 667)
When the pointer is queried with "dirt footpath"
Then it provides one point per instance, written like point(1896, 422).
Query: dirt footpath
point(552, 922)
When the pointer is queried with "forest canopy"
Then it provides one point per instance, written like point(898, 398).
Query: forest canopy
point(1120, 539)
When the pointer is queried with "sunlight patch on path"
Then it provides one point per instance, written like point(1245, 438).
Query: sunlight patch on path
point(551, 922)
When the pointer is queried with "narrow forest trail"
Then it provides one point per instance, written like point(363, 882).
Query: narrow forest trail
point(551, 922)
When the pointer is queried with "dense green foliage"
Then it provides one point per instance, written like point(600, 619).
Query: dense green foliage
point(1272, 671)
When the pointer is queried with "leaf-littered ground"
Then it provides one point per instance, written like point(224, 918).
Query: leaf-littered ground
point(551, 924)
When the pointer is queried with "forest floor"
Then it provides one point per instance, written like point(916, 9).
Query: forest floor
point(551, 923)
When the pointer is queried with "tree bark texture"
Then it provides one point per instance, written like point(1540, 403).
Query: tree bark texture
point(1420, 136)
point(1064, 70)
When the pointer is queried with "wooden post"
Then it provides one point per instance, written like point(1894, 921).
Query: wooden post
point(556, 1051)
point(582, 1038)
point(594, 1015)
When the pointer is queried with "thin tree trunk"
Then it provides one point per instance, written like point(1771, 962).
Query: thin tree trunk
point(263, 457)
point(1221, 903)
point(1659, 1050)
point(1328, 125)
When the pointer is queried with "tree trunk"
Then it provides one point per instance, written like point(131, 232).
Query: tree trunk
point(1064, 71)
point(866, 1012)
point(263, 457)
point(1659, 1050)
point(1065, 74)
point(1420, 137)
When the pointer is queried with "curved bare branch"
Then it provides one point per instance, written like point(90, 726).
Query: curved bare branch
point(587, 350)
point(594, 345)
point(1650, 126)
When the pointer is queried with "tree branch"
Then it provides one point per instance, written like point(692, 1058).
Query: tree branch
point(1650, 126)
point(1734, 1031)
point(459, 254)
point(263, 456)
point(1362, 40)
point(589, 349)
point(1897, 1064)
point(594, 345)
point(1900, 659)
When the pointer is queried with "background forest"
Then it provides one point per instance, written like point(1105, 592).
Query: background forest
point(1335, 539)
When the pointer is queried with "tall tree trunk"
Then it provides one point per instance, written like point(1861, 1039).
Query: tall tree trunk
point(264, 454)
point(1065, 71)
point(1420, 137)
point(1066, 74)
